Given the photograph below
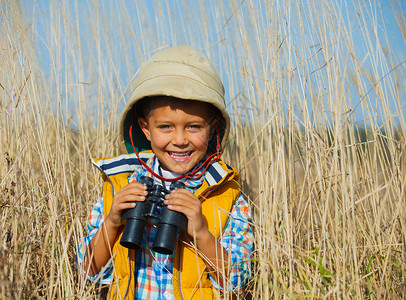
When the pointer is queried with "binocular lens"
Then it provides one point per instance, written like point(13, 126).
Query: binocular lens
point(132, 234)
point(165, 239)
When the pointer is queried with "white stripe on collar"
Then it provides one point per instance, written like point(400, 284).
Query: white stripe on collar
point(215, 174)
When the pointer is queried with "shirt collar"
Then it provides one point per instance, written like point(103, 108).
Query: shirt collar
point(154, 163)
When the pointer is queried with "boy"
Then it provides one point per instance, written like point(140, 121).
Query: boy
point(177, 110)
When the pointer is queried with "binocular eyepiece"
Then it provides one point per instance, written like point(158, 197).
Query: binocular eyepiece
point(170, 223)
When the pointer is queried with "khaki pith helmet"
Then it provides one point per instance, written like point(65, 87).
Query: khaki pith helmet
point(181, 72)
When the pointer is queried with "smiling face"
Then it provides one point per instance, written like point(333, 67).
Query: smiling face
point(179, 134)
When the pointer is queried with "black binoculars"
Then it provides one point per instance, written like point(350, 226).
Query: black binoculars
point(170, 222)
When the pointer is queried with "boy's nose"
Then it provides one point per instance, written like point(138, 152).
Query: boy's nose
point(179, 138)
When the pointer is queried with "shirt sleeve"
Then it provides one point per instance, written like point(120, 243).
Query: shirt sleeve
point(96, 219)
point(238, 240)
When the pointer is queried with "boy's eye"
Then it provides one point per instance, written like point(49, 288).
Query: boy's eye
point(195, 126)
point(164, 126)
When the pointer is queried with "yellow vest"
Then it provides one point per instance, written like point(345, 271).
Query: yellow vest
point(218, 194)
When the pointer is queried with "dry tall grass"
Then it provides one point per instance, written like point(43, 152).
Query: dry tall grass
point(327, 191)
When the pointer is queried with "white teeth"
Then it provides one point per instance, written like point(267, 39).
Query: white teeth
point(178, 154)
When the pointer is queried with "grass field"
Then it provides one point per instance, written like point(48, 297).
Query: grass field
point(316, 91)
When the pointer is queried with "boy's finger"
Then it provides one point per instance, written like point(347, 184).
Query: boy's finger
point(127, 205)
point(133, 191)
point(135, 185)
point(182, 205)
point(131, 197)
point(180, 193)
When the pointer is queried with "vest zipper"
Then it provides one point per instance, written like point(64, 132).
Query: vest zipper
point(129, 277)
point(179, 273)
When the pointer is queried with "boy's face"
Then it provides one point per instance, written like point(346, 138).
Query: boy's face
point(179, 136)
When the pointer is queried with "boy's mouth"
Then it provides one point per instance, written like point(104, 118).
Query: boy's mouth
point(180, 156)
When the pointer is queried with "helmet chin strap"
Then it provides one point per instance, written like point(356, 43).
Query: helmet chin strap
point(191, 175)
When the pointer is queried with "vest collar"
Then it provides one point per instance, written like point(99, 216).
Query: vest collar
point(128, 163)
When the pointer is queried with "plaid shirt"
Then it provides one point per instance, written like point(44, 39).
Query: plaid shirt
point(154, 270)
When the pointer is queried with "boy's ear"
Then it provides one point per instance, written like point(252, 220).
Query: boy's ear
point(145, 128)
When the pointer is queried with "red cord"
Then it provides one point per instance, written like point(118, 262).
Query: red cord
point(192, 175)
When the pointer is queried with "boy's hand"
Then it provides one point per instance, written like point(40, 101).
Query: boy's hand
point(125, 199)
point(184, 201)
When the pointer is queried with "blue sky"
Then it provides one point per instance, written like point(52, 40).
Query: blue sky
point(156, 24)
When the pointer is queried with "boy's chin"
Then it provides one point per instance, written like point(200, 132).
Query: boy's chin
point(177, 169)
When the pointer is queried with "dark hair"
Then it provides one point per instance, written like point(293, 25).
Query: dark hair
point(144, 107)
